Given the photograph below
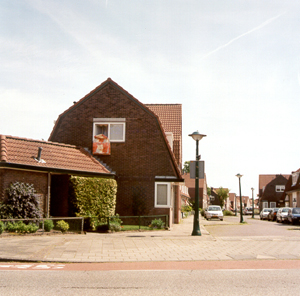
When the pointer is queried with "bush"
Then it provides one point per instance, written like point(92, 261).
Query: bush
point(2, 227)
point(21, 201)
point(186, 208)
point(228, 213)
point(157, 224)
point(62, 225)
point(114, 226)
point(21, 227)
point(48, 225)
point(202, 212)
point(92, 197)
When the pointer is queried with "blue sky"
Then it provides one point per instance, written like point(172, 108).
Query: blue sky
point(232, 64)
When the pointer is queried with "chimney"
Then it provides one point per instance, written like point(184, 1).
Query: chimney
point(39, 154)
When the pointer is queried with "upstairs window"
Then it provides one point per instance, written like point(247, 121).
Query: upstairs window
point(295, 178)
point(112, 128)
point(280, 188)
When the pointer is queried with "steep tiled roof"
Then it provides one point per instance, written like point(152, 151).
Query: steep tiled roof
point(170, 116)
point(266, 179)
point(23, 153)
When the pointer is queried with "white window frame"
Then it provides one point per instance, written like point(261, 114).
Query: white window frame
point(168, 205)
point(265, 204)
point(108, 122)
point(280, 188)
point(272, 204)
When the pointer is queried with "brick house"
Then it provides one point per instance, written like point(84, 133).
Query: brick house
point(271, 190)
point(190, 183)
point(131, 139)
point(48, 167)
point(292, 190)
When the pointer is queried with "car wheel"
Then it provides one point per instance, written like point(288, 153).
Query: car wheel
point(221, 219)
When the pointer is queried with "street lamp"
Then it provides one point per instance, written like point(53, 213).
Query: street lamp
point(241, 206)
point(196, 228)
point(252, 203)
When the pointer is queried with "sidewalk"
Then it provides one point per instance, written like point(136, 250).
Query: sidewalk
point(175, 245)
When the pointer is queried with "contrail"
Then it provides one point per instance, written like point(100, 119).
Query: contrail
point(244, 34)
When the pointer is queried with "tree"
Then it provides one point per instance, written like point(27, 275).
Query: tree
point(222, 194)
point(186, 167)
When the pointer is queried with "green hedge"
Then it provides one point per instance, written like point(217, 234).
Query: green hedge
point(92, 197)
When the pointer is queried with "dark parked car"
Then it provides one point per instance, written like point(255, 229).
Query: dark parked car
point(272, 214)
point(294, 215)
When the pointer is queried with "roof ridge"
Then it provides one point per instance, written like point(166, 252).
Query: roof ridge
point(3, 148)
point(42, 141)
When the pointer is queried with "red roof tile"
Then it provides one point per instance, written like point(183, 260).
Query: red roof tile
point(24, 152)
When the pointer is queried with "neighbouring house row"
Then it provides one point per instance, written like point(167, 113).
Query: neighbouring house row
point(279, 190)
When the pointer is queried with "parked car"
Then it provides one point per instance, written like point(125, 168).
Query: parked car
point(264, 213)
point(282, 215)
point(213, 212)
point(248, 211)
point(272, 214)
point(293, 215)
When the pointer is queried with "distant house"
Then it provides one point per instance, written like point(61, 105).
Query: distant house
point(135, 141)
point(233, 202)
point(271, 190)
point(190, 183)
point(48, 167)
point(292, 190)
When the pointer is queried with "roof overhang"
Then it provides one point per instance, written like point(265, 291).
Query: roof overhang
point(23, 167)
point(169, 179)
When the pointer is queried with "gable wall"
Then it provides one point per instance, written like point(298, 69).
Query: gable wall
point(138, 160)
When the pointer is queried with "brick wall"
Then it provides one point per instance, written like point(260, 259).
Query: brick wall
point(138, 160)
point(39, 180)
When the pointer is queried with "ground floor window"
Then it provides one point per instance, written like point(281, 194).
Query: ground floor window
point(162, 194)
point(272, 204)
point(265, 204)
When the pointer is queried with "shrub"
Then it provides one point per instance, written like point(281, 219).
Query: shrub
point(186, 208)
point(2, 227)
point(48, 225)
point(21, 201)
point(157, 223)
point(114, 226)
point(21, 227)
point(92, 197)
point(228, 213)
point(62, 225)
point(202, 212)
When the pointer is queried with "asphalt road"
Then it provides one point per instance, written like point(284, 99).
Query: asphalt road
point(231, 227)
point(182, 282)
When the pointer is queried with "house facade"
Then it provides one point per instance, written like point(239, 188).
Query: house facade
point(190, 184)
point(271, 190)
point(131, 140)
point(292, 190)
point(48, 166)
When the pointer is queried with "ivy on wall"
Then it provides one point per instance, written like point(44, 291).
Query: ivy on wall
point(92, 197)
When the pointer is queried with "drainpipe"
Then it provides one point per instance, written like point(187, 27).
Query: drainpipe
point(48, 195)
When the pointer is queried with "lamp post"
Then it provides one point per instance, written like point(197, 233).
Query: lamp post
point(235, 210)
point(241, 205)
point(196, 228)
point(252, 203)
